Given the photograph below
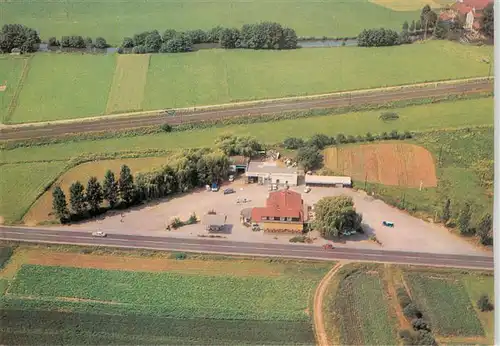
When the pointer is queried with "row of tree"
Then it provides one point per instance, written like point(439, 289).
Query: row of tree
point(17, 36)
point(482, 228)
point(380, 38)
point(265, 35)
point(195, 169)
point(78, 42)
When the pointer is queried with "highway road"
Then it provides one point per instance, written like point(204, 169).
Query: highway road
point(244, 248)
point(265, 107)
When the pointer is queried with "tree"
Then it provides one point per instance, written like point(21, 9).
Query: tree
point(464, 219)
point(59, 204)
point(127, 42)
point(405, 26)
point(141, 49)
point(234, 145)
point(441, 30)
point(53, 42)
point(94, 194)
point(309, 158)
point(335, 215)
point(101, 43)
point(213, 35)
point(110, 188)
point(18, 36)
point(320, 141)
point(428, 18)
point(152, 42)
point(483, 303)
point(446, 214)
point(378, 38)
point(169, 34)
point(140, 39)
point(412, 26)
point(126, 185)
point(178, 44)
point(77, 198)
point(230, 38)
point(485, 230)
point(418, 25)
point(290, 39)
point(197, 36)
point(88, 42)
point(487, 21)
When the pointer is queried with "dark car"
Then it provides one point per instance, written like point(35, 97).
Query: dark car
point(229, 191)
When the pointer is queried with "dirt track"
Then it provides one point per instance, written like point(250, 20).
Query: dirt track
point(129, 122)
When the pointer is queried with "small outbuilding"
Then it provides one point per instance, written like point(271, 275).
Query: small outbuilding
point(272, 173)
point(326, 180)
point(214, 222)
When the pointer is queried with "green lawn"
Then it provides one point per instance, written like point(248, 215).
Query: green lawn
point(362, 313)
point(220, 76)
point(61, 86)
point(415, 118)
point(10, 72)
point(163, 307)
point(22, 183)
point(115, 19)
point(445, 302)
point(477, 285)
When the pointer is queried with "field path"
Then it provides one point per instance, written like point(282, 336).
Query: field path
point(319, 323)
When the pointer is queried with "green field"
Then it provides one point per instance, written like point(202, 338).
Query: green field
point(81, 84)
point(446, 303)
point(96, 306)
point(21, 184)
point(329, 18)
point(360, 310)
point(64, 87)
point(10, 74)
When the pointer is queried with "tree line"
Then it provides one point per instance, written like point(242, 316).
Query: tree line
point(195, 169)
point(78, 42)
point(265, 35)
point(309, 152)
point(20, 37)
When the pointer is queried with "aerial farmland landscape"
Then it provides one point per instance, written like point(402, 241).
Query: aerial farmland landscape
point(247, 172)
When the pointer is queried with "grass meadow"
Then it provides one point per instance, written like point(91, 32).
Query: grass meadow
point(129, 81)
point(21, 184)
point(64, 86)
point(68, 86)
point(10, 75)
point(330, 18)
point(93, 306)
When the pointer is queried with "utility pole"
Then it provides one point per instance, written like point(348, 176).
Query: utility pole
point(366, 177)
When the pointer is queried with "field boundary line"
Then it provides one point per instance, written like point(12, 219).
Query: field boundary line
point(17, 90)
point(256, 102)
point(319, 323)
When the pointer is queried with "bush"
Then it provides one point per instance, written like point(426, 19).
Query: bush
point(53, 42)
point(192, 219)
point(73, 42)
point(197, 36)
point(378, 38)
point(166, 128)
point(403, 297)
point(293, 143)
point(101, 43)
point(139, 49)
point(177, 44)
point(128, 42)
point(180, 255)
point(320, 141)
point(421, 337)
point(298, 239)
point(176, 223)
point(411, 311)
point(385, 116)
point(484, 304)
point(5, 253)
point(420, 324)
point(18, 36)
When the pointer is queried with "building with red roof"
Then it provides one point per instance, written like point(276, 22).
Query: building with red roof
point(284, 212)
point(472, 10)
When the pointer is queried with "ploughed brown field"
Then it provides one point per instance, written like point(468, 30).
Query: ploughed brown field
point(393, 164)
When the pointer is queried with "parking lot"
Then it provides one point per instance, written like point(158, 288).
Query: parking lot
point(408, 233)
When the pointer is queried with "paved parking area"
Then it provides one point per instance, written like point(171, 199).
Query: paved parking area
point(409, 233)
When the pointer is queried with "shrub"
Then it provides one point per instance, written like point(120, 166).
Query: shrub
point(5, 253)
point(197, 36)
point(411, 311)
point(319, 141)
point(141, 49)
point(394, 134)
point(176, 223)
point(293, 143)
point(403, 297)
point(420, 324)
point(378, 38)
point(180, 255)
point(484, 304)
point(128, 42)
point(192, 219)
point(421, 337)
point(166, 128)
point(101, 43)
point(298, 239)
point(385, 116)
point(53, 42)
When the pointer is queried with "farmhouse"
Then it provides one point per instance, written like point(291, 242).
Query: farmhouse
point(271, 173)
point(284, 212)
point(214, 222)
point(324, 180)
point(470, 10)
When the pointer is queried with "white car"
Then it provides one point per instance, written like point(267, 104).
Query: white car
point(307, 189)
point(99, 234)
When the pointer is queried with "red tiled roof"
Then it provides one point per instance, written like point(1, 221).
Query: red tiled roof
point(462, 8)
point(446, 16)
point(283, 203)
point(477, 4)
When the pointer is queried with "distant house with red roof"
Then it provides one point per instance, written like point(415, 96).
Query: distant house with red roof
point(471, 10)
point(284, 212)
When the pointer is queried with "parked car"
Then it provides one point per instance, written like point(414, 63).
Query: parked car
point(328, 246)
point(229, 191)
point(388, 223)
point(99, 234)
point(231, 178)
point(307, 189)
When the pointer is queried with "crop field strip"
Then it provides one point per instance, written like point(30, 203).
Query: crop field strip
point(209, 77)
point(10, 77)
point(129, 81)
point(332, 18)
point(444, 299)
point(208, 309)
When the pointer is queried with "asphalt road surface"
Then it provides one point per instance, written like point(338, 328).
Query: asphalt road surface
point(244, 248)
point(270, 107)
